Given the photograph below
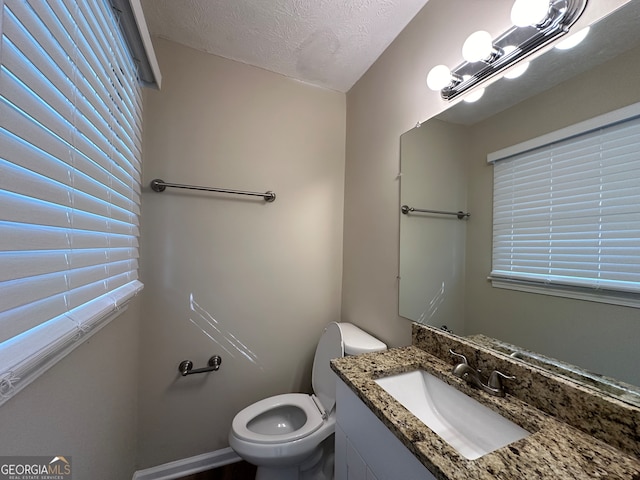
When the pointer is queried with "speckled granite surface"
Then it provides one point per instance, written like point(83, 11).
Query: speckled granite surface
point(606, 418)
point(555, 450)
point(611, 386)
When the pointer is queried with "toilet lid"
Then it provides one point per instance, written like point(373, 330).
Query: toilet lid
point(323, 379)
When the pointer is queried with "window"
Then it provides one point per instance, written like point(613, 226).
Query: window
point(566, 211)
point(70, 153)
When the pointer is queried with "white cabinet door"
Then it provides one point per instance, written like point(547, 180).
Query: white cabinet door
point(366, 449)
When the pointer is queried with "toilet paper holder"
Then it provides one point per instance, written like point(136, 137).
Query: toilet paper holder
point(186, 366)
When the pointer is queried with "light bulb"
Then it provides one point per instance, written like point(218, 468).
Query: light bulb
point(573, 40)
point(478, 46)
point(529, 12)
point(439, 77)
point(517, 71)
point(474, 96)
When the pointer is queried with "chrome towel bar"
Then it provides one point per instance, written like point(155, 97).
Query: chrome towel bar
point(158, 185)
point(406, 210)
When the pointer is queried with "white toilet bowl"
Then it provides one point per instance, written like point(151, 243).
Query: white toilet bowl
point(289, 436)
point(281, 430)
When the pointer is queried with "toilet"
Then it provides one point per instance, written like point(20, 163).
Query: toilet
point(290, 436)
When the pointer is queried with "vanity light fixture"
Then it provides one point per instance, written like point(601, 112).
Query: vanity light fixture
point(479, 47)
point(536, 24)
point(529, 12)
point(439, 77)
point(518, 70)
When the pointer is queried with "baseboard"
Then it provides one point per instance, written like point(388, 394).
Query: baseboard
point(188, 466)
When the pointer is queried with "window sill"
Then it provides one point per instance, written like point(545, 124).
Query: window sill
point(576, 293)
point(37, 360)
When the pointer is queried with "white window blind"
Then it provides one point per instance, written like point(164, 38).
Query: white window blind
point(566, 214)
point(70, 153)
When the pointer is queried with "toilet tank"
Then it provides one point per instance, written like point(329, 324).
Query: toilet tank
point(358, 341)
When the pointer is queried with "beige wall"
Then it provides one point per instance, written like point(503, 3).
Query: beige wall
point(85, 406)
point(252, 282)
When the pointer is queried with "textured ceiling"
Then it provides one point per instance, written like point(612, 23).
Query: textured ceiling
point(329, 43)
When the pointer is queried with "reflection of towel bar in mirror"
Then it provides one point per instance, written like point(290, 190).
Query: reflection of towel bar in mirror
point(407, 209)
point(158, 185)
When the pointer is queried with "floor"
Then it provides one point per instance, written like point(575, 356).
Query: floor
point(234, 471)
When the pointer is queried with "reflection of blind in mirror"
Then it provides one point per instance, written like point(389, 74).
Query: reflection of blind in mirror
point(567, 213)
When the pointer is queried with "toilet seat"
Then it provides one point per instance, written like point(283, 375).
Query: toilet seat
point(299, 402)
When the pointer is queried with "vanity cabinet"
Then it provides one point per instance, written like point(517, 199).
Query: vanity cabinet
point(365, 448)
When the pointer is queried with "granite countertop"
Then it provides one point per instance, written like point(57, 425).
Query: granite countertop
point(554, 449)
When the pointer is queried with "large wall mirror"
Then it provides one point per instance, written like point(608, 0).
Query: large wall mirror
point(445, 262)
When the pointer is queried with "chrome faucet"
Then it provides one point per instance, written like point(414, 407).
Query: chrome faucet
point(493, 385)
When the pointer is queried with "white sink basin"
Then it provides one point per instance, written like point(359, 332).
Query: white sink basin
point(468, 426)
